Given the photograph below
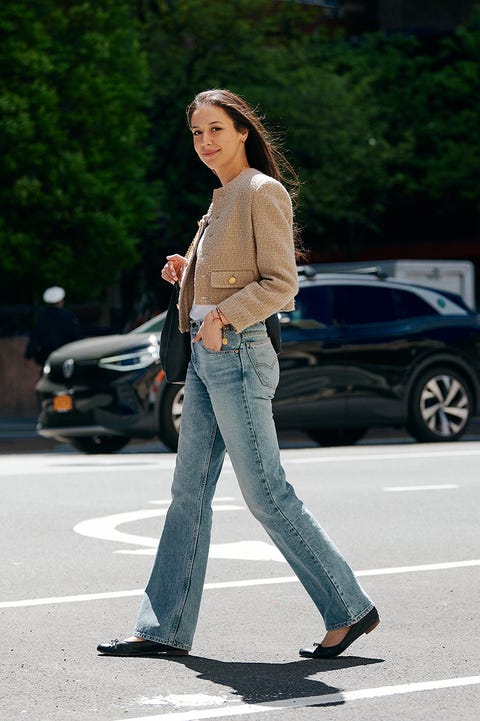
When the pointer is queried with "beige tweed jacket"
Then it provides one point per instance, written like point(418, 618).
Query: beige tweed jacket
point(247, 265)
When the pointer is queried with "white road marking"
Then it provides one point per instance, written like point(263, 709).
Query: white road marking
point(341, 697)
point(418, 569)
point(444, 487)
point(456, 453)
point(237, 584)
point(235, 551)
point(70, 599)
point(105, 528)
point(184, 699)
point(42, 464)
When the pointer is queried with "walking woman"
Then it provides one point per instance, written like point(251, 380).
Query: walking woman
point(239, 270)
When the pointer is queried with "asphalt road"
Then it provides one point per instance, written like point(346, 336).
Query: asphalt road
point(78, 533)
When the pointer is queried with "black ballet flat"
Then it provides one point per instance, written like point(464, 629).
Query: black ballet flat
point(365, 625)
point(139, 648)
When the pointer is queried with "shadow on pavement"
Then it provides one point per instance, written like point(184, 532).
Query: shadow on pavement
point(267, 682)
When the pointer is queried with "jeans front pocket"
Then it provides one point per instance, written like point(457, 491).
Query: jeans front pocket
point(265, 362)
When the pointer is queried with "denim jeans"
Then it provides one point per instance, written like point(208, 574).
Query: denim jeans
point(227, 406)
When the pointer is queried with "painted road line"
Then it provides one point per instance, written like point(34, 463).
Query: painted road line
point(341, 697)
point(106, 528)
point(416, 455)
point(36, 465)
point(48, 465)
point(418, 569)
point(399, 489)
point(139, 592)
point(237, 584)
point(70, 599)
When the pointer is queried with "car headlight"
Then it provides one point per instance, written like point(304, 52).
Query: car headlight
point(46, 368)
point(135, 361)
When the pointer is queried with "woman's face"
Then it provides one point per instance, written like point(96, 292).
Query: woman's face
point(218, 143)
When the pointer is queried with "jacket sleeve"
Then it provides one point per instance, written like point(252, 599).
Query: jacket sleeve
point(272, 222)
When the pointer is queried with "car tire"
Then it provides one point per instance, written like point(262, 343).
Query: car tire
point(170, 415)
point(336, 436)
point(99, 444)
point(440, 406)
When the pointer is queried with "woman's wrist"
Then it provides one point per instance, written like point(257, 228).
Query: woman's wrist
point(213, 317)
point(216, 316)
point(222, 317)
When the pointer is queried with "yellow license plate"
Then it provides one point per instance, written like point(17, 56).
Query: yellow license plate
point(62, 403)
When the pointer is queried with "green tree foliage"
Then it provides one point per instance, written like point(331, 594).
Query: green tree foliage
point(336, 138)
point(281, 64)
point(428, 97)
point(72, 156)
point(383, 131)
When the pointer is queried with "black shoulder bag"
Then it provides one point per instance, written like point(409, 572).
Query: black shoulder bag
point(274, 332)
point(175, 346)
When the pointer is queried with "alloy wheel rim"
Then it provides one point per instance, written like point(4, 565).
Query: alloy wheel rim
point(177, 409)
point(444, 405)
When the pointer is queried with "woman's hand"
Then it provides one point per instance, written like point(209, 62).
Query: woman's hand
point(173, 269)
point(210, 332)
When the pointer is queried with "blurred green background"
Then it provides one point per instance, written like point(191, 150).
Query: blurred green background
point(377, 104)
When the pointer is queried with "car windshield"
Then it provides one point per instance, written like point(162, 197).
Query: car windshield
point(154, 325)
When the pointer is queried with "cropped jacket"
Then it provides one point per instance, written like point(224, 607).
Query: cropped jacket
point(247, 266)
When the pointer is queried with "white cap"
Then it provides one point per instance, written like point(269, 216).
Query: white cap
point(54, 294)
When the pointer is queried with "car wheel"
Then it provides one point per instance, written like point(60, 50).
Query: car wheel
point(99, 444)
point(171, 415)
point(336, 436)
point(440, 406)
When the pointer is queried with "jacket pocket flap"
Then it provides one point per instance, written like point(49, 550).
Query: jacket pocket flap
point(231, 278)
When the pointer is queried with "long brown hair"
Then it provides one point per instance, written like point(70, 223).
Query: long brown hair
point(262, 151)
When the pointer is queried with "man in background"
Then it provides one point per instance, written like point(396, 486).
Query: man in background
point(54, 327)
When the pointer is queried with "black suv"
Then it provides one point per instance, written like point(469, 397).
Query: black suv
point(359, 351)
point(363, 350)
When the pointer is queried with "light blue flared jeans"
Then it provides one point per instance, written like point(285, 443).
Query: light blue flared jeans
point(228, 406)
